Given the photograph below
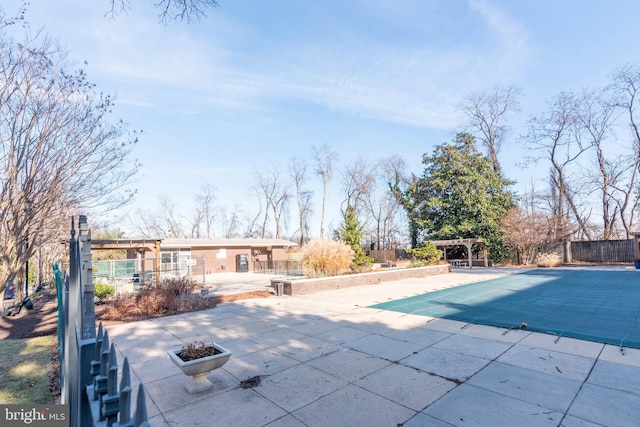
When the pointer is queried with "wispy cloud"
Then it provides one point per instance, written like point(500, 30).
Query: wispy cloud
point(356, 72)
point(415, 85)
point(513, 48)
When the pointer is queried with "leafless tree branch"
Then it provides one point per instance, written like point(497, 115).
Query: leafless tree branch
point(170, 10)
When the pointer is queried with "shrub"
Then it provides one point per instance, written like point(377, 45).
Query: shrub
point(171, 296)
point(154, 300)
point(361, 262)
point(547, 259)
point(167, 297)
point(427, 254)
point(326, 257)
point(122, 307)
point(102, 290)
point(351, 232)
point(178, 286)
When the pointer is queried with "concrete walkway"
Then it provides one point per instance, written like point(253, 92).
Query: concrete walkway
point(327, 360)
point(234, 283)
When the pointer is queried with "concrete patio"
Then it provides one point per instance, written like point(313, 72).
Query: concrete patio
point(327, 360)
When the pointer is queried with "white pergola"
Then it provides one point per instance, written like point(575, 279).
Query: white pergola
point(464, 242)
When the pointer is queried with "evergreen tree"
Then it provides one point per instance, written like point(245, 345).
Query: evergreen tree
point(351, 232)
point(460, 195)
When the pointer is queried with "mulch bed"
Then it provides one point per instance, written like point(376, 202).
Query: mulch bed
point(43, 318)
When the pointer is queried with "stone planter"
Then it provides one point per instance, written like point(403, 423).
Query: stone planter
point(198, 369)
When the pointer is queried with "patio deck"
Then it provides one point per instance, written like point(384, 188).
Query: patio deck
point(328, 360)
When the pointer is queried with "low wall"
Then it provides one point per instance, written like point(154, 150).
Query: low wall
point(303, 286)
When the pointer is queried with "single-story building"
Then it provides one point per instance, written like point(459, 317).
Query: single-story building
point(224, 255)
point(194, 257)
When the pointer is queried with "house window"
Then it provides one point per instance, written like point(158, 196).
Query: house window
point(173, 261)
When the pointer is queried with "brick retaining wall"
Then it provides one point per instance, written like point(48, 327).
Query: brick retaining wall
point(303, 286)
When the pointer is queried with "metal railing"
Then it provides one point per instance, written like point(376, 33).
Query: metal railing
point(285, 267)
point(126, 275)
point(88, 365)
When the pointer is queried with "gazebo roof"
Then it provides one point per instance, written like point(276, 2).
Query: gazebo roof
point(457, 242)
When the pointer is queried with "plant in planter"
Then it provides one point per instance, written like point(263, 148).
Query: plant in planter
point(197, 359)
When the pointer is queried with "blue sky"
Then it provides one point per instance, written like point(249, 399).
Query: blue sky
point(259, 82)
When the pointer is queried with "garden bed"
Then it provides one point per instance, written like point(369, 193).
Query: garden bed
point(301, 286)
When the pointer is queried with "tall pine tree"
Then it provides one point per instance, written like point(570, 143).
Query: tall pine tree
point(351, 232)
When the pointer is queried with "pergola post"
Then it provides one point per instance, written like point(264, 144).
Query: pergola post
point(485, 254)
point(468, 243)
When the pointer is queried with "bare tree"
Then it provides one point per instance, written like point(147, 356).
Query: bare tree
point(171, 219)
point(236, 223)
point(251, 229)
point(383, 209)
point(161, 222)
point(269, 185)
point(584, 124)
point(59, 152)
point(205, 214)
point(555, 135)
point(358, 180)
point(625, 85)
point(170, 10)
point(486, 112)
point(527, 228)
point(257, 229)
point(298, 173)
point(402, 184)
point(196, 224)
point(229, 221)
point(8, 19)
point(324, 158)
point(382, 204)
point(147, 223)
point(596, 118)
point(50, 253)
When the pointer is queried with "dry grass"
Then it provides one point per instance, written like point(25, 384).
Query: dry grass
point(547, 259)
point(24, 370)
point(326, 258)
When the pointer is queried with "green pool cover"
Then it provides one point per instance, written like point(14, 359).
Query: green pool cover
point(602, 306)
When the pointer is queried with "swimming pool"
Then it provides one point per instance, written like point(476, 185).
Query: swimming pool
point(595, 305)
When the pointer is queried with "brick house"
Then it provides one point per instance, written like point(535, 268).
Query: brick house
point(223, 255)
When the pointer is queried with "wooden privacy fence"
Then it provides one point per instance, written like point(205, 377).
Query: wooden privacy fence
point(88, 365)
point(600, 251)
point(387, 255)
